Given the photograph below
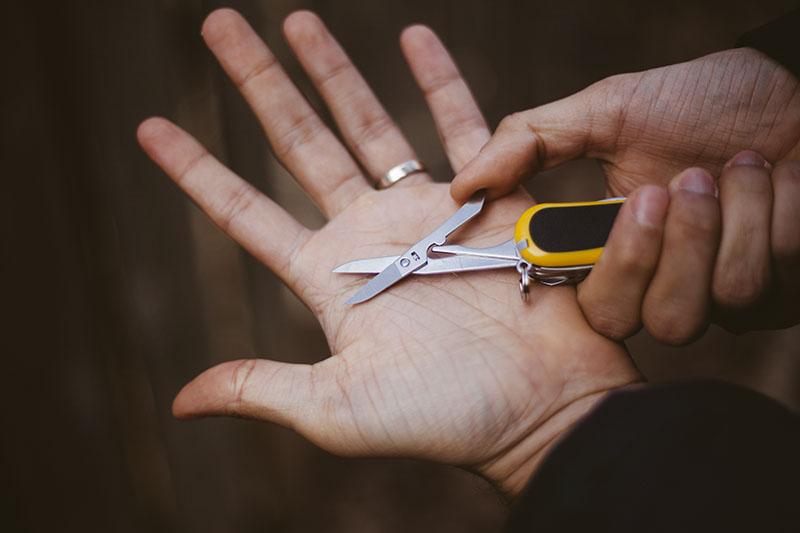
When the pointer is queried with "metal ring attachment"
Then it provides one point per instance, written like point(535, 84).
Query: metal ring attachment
point(524, 268)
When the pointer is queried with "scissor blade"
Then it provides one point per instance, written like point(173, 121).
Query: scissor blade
point(457, 259)
point(373, 265)
point(444, 265)
point(416, 257)
point(386, 278)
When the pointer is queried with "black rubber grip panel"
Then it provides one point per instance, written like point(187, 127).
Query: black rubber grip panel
point(573, 228)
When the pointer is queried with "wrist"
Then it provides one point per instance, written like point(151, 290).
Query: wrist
point(576, 369)
point(511, 471)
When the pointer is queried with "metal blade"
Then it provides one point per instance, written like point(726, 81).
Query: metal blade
point(373, 265)
point(444, 265)
point(506, 250)
point(417, 256)
point(386, 278)
point(457, 263)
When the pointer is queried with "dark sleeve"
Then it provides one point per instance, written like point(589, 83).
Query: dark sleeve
point(779, 40)
point(701, 456)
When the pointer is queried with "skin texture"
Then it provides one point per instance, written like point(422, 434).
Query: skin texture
point(448, 368)
point(723, 254)
point(697, 252)
point(646, 127)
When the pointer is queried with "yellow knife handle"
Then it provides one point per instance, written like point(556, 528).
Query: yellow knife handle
point(566, 234)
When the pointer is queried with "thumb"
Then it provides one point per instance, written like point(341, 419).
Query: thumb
point(313, 400)
point(251, 388)
point(528, 142)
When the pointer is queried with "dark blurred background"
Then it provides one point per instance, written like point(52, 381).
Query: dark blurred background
point(118, 290)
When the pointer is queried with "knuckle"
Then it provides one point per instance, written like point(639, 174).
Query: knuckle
point(256, 71)
point(673, 327)
point(739, 288)
point(194, 163)
point(301, 133)
point(235, 206)
point(628, 261)
point(336, 71)
point(514, 121)
point(613, 327)
point(372, 128)
point(610, 320)
point(240, 377)
point(441, 83)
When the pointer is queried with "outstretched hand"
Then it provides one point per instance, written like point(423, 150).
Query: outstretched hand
point(450, 368)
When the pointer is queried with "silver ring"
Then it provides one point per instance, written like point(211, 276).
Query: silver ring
point(403, 170)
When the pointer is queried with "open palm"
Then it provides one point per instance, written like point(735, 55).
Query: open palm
point(450, 368)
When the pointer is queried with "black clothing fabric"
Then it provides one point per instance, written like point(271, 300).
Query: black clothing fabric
point(779, 40)
point(702, 456)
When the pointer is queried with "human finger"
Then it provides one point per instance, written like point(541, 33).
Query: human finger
point(611, 296)
point(313, 400)
point(257, 223)
point(459, 121)
point(743, 266)
point(676, 305)
point(538, 139)
point(254, 388)
point(366, 127)
point(785, 242)
point(300, 139)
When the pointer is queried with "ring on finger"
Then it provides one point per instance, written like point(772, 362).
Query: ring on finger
point(403, 170)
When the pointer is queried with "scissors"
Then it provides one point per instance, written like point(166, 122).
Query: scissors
point(553, 243)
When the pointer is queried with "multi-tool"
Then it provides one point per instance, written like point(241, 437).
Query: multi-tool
point(552, 244)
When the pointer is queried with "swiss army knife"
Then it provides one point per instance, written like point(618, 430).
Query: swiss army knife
point(553, 243)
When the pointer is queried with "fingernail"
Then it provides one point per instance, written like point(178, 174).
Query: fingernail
point(651, 206)
point(697, 181)
point(749, 158)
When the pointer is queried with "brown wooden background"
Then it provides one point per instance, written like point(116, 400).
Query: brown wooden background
point(118, 290)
